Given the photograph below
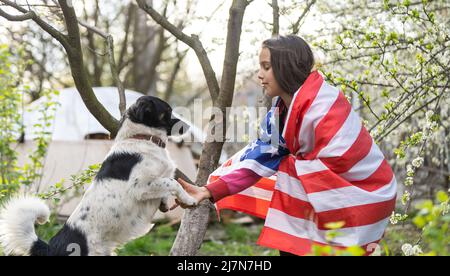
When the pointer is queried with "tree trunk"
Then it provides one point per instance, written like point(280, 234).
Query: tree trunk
point(195, 221)
point(143, 57)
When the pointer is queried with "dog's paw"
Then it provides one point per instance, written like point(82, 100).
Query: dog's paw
point(189, 201)
point(163, 207)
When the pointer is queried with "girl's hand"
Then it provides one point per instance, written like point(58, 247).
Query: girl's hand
point(199, 193)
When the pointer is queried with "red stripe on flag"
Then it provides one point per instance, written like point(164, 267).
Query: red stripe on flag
point(302, 103)
point(329, 125)
point(381, 177)
point(266, 184)
point(359, 150)
point(287, 165)
point(358, 215)
point(285, 242)
point(327, 180)
point(292, 206)
point(213, 178)
point(273, 238)
point(242, 203)
point(352, 216)
point(322, 181)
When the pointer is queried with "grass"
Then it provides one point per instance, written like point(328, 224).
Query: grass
point(237, 240)
point(157, 243)
point(397, 235)
point(221, 239)
point(228, 239)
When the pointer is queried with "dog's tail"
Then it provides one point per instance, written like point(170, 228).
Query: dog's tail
point(17, 219)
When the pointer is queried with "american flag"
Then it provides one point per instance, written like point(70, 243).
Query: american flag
point(325, 168)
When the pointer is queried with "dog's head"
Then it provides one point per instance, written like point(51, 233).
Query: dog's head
point(156, 113)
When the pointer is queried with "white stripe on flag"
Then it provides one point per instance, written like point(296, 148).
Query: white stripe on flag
point(246, 164)
point(324, 100)
point(306, 229)
point(309, 166)
point(290, 109)
point(366, 166)
point(351, 196)
point(257, 193)
point(344, 138)
point(291, 186)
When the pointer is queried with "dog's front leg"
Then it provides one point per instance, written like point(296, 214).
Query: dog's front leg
point(161, 187)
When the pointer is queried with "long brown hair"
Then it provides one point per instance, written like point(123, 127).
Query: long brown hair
point(292, 61)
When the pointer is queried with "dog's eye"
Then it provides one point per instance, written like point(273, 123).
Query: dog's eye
point(162, 116)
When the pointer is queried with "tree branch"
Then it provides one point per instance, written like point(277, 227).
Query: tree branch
point(128, 21)
point(296, 25)
point(194, 223)
point(44, 25)
point(94, 29)
point(137, 53)
point(192, 41)
point(27, 16)
point(79, 73)
point(173, 75)
point(276, 18)
point(109, 41)
point(115, 74)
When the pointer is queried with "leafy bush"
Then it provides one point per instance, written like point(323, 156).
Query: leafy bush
point(13, 177)
point(433, 220)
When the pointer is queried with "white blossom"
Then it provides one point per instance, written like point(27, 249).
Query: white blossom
point(407, 249)
point(406, 197)
point(417, 162)
point(409, 181)
point(395, 218)
point(429, 114)
point(445, 207)
point(409, 170)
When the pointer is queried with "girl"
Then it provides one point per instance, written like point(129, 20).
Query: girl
point(317, 169)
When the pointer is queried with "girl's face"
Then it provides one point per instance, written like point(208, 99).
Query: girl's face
point(266, 76)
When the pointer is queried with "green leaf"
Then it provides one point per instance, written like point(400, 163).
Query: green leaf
point(356, 251)
point(442, 196)
point(335, 225)
point(419, 221)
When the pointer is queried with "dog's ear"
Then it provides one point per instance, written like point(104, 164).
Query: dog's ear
point(141, 112)
point(178, 127)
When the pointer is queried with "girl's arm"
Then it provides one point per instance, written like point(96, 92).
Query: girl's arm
point(259, 159)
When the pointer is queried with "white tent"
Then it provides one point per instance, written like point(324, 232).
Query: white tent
point(73, 121)
point(70, 153)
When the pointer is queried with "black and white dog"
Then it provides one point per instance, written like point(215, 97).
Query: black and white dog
point(134, 181)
